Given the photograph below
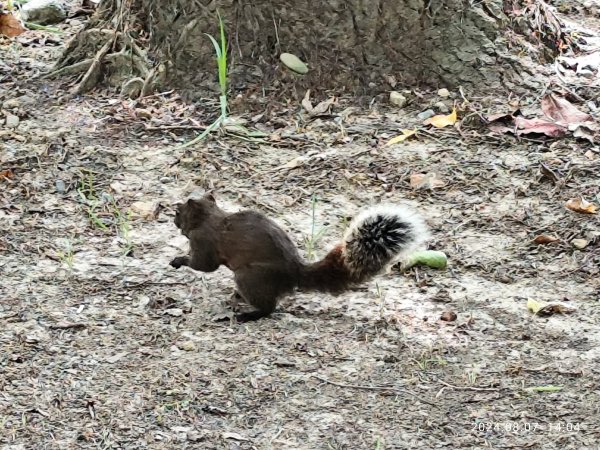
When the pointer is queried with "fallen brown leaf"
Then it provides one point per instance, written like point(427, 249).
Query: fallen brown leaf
point(562, 111)
point(546, 309)
point(10, 25)
point(425, 180)
point(323, 107)
point(581, 205)
point(582, 131)
point(306, 103)
point(545, 239)
point(6, 174)
point(539, 126)
point(502, 117)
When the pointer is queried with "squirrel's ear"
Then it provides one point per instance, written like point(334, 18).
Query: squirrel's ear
point(210, 197)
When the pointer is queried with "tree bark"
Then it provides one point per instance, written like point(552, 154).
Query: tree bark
point(349, 45)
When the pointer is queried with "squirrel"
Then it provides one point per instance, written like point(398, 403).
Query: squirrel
point(266, 263)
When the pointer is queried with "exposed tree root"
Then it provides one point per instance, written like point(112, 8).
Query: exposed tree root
point(92, 75)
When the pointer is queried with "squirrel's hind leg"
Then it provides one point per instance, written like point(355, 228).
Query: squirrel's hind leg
point(261, 287)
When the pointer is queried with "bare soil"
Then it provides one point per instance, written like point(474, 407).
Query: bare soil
point(103, 345)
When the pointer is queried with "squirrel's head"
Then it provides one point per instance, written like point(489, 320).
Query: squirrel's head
point(193, 213)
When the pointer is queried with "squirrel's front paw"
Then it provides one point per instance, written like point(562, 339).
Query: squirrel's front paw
point(179, 261)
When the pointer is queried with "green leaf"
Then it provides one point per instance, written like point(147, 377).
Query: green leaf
point(294, 63)
point(547, 388)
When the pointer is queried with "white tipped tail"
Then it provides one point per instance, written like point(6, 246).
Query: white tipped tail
point(381, 236)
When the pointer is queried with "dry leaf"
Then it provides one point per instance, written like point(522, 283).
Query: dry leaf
point(10, 25)
point(293, 163)
point(539, 126)
point(546, 309)
point(502, 117)
point(306, 104)
point(6, 174)
point(545, 239)
point(562, 111)
point(405, 135)
point(322, 107)
point(581, 205)
point(584, 132)
point(425, 180)
point(500, 128)
point(442, 121)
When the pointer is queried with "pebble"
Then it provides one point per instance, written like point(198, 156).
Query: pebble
point(166, 180)
point(579, 243)
point(187, 346)
point(17, 102)
point(60, 186)
point(441, 107)
point(444, 92)
point(175, 312)
point(396, 98)
point(12, 121)
point(426, 114)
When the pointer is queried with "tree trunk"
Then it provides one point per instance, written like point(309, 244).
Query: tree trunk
point(349, 45)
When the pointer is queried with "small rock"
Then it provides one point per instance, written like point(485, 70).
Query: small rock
point(60, 186)
point(12, 121)
point(148, 210)
point(175, 312)
point(44, 12)
point(579, 243)
point(448, 316)
point(143, 301)
point(143, 113)
point(426, 114)
point(188, 346)
point(396, 98)
point(444, 93)
point(441, 107)
point(195, 436)
point(166, 180)
point(18, 102)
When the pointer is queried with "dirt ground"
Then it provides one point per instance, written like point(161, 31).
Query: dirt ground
point(103, 345)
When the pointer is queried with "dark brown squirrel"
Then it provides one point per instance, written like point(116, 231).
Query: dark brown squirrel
point(266, 263)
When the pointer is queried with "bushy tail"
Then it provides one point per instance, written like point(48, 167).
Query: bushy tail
point(375, 239)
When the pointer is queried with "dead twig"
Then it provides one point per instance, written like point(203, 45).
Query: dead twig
point(468, 388)
point(375, 388)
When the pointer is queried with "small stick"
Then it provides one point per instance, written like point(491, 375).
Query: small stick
point(468, 388)
point(373, 388)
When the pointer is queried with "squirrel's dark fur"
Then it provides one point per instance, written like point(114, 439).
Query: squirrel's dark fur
point(266, 262)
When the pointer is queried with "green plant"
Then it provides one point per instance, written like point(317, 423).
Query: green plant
point(35, 26)
point(315, 234)
point(471, 377)
point(87, 192)
point(123, 222)
point(221, 53)
point(67, 257)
